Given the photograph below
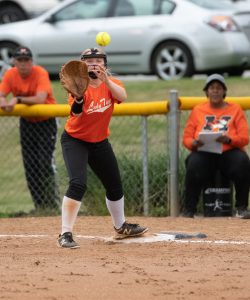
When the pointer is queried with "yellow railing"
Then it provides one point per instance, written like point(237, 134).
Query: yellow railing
point(135, 108)
point(187, 103)
point(62, 110)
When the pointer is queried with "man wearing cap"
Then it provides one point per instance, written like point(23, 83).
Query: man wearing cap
point(29, 84)
point(229, 121)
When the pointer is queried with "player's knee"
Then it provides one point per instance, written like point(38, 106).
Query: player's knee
point(114, 194)
point(76, 190)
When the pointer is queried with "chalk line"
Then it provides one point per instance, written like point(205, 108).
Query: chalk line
point(157, 237)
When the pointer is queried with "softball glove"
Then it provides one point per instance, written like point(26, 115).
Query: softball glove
point(74, 78)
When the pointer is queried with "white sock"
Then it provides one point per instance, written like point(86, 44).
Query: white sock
point(70, 208)
point(116, 210)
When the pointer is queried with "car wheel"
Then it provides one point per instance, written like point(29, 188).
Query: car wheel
point(172, 60)
point(11, 13)
point(6, 59)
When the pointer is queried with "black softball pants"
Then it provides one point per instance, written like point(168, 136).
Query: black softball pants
point(201, 168)
point(100, 157)
point(38, 142)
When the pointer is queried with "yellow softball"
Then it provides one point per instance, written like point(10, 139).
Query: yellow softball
point(103, 38)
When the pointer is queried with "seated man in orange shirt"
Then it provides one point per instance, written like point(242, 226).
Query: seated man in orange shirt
point(228, 118)
point(30, 84)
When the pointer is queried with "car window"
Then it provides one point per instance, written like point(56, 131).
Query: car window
point(167, 7)
point(143, 8)
point(83, 9)
point(222, 4)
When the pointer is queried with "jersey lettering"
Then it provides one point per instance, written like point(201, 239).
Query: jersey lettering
point(100, 106)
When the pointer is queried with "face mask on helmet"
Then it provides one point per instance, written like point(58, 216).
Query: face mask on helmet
point(94, 53)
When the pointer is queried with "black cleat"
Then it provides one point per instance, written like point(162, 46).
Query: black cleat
point(242, 214)
point(130, 230)
point(65, 240)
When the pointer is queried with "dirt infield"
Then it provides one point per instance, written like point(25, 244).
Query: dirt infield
point(33, 267)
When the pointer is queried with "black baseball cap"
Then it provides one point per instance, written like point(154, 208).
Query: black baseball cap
point(22, 52)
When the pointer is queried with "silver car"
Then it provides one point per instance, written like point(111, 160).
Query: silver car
point(169, 38)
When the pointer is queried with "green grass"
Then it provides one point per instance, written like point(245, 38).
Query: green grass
point(159, 90)
point(144, 91)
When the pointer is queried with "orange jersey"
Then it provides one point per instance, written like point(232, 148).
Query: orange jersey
point(38, 81)
point(229, 119)
point(92, 125)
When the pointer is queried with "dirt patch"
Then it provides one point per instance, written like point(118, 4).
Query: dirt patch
point(33, 267)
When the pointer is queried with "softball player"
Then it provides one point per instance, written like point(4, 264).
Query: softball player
point(85, 141)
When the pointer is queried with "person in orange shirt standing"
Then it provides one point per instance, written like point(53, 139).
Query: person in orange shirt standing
point(29, 84)
point(217, 115)
point(85, 141)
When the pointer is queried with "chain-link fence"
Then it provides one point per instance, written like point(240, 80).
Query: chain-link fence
point(140, 144)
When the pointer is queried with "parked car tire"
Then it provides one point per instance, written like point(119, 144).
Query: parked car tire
point(172, 60)
point(6, 56)
point(11, 13)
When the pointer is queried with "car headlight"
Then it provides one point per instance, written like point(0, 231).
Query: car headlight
point(223, 23)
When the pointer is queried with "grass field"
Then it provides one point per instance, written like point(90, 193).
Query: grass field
point(140, 91)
